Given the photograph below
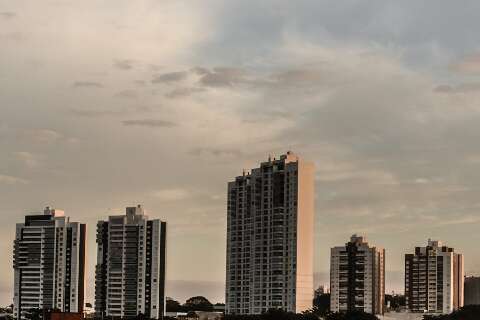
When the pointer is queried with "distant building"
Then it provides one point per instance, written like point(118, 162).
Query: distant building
point(472, 291)
point(434, 277)
point(130, 271)
point(357, 277)
point(270, 218)
point(49, 264)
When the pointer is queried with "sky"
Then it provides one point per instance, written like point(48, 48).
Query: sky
point(110, 104)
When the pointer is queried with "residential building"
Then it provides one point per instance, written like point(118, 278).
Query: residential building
point(357, 277)
point(130, 271)
point(434, 278)
point(49, 264)
point(270, 218)
point(472, 291)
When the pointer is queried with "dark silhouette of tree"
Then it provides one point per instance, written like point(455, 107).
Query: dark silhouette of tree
point(353, 315)
point(396, 301)
point(172, 305)
point(198, 303)
point(321, 304)
point(465, 313)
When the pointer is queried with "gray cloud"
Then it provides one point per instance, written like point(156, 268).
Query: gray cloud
point(127, 94)
point(469, 65)
point(6, 179)
point(87, 84)
point(7, 15)
point(93, 113)
point(140, 82)
point(123, 64)
point(170, 77)
point(216, 152)
point(461, 88)
point(150, 123)
point(222, 77)
point(183, 92)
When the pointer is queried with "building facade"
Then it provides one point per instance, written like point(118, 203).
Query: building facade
point(472, 291)
point(49, 264)
point(130, 270)
point(270, 218)
point(357, 277)
point(434, 278)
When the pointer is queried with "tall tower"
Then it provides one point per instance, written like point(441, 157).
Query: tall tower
point(357, 277)
point(130, 271)
point(434, 278)
point(49, 264)
point(270, 218)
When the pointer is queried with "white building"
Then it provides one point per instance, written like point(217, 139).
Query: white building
point(49, 264)
point(270, 220)
point(357, 277)
point(130, 271)
point(434, 279)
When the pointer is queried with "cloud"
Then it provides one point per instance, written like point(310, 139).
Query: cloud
point(87, 84)
point(92, 113)
point(44, 135)
point(216, 152)
point(150, 123)
point(29, 159)
point(222, 77)
point(6, 179)
point(170, 77)
point(468, 65)
point(123, 64)
point(7, 15)
point(127, 94)
point(461, 88)
point(174, 194)
point(183, 92)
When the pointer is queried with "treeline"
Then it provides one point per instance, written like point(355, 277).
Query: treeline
point(465, 313)
point(309, 315)
point(197, 303)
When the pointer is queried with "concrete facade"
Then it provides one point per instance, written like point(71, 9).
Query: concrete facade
point(130, 271)
point(49, 264)
point(357, 277)
point(434, 279)
point(270, 220)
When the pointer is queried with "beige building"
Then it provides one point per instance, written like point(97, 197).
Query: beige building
point(357, 277)
point(270, 237)
point(434, 278)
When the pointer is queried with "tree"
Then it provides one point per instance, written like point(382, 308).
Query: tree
point(465, 313)
point(321, 304)
point(198, 303)
point(396, 301)
point(172, 305)
point(352, 315)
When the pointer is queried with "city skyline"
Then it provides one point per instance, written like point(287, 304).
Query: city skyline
point(161, 103)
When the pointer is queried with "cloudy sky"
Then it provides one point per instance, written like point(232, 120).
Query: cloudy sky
point(109, 104)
